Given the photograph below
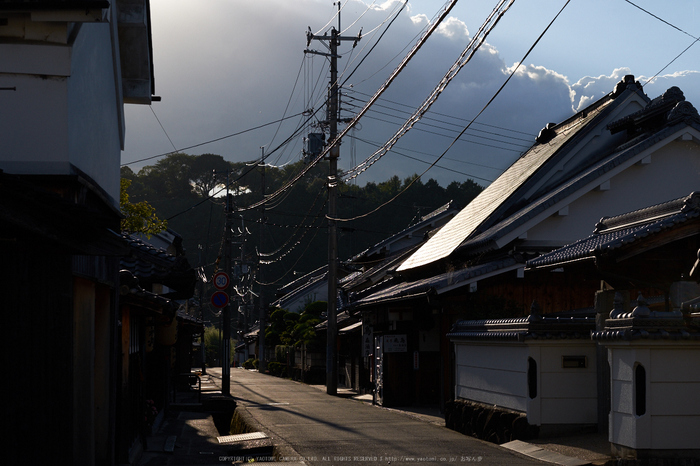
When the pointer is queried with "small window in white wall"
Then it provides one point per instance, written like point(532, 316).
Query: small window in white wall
point(531, 378)
point(640, 390)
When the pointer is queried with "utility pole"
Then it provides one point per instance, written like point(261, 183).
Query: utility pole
point(262, 364)
point(226, 347)
point(332, 105)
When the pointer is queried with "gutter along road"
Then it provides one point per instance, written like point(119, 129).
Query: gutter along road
point(311, 426)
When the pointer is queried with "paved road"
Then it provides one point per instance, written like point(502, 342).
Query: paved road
point(325, 430)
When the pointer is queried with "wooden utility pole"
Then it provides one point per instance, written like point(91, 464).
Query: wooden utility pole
point(226, 337)
point(262, 363)
point(332, 105)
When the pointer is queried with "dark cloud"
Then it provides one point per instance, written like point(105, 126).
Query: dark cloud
point(234, 66)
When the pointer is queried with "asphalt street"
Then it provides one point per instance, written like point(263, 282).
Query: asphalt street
point(321, 429)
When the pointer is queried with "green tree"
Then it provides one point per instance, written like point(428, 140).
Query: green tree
point(139, 217)
point(212, 344)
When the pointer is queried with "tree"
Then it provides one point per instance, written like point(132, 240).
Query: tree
point(139, 217)
point(212, 343)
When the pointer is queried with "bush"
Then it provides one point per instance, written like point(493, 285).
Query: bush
point(251, 363)
point(276, 368)
point(281, 352)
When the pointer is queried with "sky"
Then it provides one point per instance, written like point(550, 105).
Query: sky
point(229, 70)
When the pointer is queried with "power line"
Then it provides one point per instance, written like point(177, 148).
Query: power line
point(376, 43)
point(515, 68)
point(464, 58)
point(695, 39)
point(423, 161)
point(354, 121)
point(662, 20)
point(161, 127)
point(211, 140)
point(449, 116)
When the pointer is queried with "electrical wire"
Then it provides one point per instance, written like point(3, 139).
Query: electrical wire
point(332, 18)
point(464, 58)
point(696, 39)
point(662, 20)
point(447, 123)
point(211, 140)
point(163, 128)
point(418, 128)
point(290, 269)
point(510, 76)
point(449, 116)
point(359, 17)
point(284, 114)
point(308, 212)
point(394, 151)
point(376, 43)
point(294, 246)
point(354, 121)
point(377, 144)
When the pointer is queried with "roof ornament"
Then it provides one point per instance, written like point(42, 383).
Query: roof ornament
point(683, 110)
point(546, 134)
point(692, 202)
point(641, 310)
point(601, 224)
point(535, 312)
point(618, 306)
point(673, 93)
point(626, 83)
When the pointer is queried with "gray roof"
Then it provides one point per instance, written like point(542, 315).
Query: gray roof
point(396, 290)
point(493, 202)
point(644, 324)
point(474, 232)
point(567, 325)
point(615, 232)
point(426, 223)
point(486, 239)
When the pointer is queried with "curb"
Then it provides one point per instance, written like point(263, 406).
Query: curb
point(243, 423)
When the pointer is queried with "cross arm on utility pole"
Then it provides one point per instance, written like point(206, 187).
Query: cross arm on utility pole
point(334, 40)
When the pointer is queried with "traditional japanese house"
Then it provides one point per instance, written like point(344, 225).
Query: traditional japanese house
point(623, 152)
point(649, 347)
point(67, 69)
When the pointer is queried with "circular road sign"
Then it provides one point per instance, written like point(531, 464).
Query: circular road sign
point(221, 280)
point(219, 299)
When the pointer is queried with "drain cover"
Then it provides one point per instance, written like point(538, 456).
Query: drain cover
point(241, 437)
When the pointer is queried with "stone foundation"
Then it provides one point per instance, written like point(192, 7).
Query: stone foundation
point(488, 422)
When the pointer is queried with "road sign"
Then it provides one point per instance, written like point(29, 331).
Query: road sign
point(221, 280)
point(219, 299)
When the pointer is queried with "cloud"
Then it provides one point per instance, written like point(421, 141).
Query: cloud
point(453, 28)
point(589, 89)
point(233, 66)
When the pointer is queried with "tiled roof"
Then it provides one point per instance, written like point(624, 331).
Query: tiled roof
point(375, 274)
point(570, 325)
point(493, 201)
point(396, 290)
point(643, 324)
point(154, 265)
point(425, 222)
point(300, 287)
point(616, 232)
point(659, 120)
point(565, 190)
